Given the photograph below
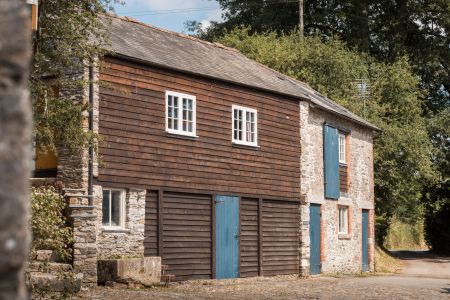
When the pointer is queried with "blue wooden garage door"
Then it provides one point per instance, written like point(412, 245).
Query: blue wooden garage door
point(365, 240)
point(314, 234)
point(227, 237)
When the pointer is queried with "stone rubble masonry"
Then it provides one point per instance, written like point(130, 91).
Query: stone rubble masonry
point(72, 168)
point(83, 220)
point(126, 242)
point(340, 254)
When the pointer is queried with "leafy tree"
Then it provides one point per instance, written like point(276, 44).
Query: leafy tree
point(402, 149)
point(70, 35)
point(437, 217)
point(386, 29)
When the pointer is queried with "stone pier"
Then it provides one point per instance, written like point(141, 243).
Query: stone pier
point(83, 220)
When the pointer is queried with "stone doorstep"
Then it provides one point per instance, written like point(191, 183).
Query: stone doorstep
point(54, 283)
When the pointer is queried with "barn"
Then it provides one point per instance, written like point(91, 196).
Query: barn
point(215, 163)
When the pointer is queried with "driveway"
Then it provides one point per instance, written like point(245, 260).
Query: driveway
point(424, 264)
point(424, 277)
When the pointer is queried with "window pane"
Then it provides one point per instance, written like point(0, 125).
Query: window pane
point(343, 220)
point(175, 121)
point(185, 105)
point(190, 116)
point(115, 208)
point(190, 128)
point(105, 208)
point(190, 104)
point(170, 100)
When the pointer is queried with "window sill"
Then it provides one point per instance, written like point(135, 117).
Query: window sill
point(344, 195)
point(115, 230)
point(244, 146)
point(182, 136)
point(344, 236)
point(342, 164)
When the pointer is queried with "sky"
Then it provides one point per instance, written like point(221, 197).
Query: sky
point(170, 14)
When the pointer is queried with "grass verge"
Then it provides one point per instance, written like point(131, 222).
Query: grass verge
point(386, 262)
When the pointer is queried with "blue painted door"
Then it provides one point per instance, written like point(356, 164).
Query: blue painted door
point(227, 237)
point(331, 161)
point(365, 240)
point(314, 235)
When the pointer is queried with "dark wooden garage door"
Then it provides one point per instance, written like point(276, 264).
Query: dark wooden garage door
point(280, 226)
point(187, 235)
point(249, 248)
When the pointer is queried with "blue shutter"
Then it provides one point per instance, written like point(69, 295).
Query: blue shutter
point(331, 161)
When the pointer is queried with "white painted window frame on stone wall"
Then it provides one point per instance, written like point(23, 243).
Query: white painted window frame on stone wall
point(343, 217)
point(179, 118)
point(121, 209)
point(342, 141)
point(245, 134)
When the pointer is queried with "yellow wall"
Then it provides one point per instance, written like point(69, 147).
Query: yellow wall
point(46, 161)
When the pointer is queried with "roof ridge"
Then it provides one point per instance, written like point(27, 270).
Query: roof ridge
point(185, 36)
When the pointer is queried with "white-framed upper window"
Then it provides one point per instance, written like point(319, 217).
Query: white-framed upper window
point(113, 208)
point(342, 148)
point(343, 219)
point(245, 126)
point(180, 113)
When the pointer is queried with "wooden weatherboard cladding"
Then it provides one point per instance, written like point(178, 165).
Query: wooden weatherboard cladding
point(280, 230)
point(179, 227)
point(183, 235)
point(343, 178)
point(137, 151)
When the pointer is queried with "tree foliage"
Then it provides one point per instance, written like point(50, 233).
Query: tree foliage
point(437, 217)
point(70, 35)
point(386, 29)
point(402, 149)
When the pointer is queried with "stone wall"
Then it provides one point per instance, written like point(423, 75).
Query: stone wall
point(341, 254)
point(83, 221)
point(127, 241)
point(72, 168)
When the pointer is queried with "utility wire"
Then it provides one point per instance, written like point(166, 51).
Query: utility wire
point(192, 9)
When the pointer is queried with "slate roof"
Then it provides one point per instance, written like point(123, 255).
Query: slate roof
point(153, 45)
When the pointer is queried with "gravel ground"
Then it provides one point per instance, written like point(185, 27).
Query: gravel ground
point(423, 277)
point(291, 287)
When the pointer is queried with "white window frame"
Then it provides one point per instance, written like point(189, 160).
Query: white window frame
point(122, 208)
point(180, 130)
point(343, 211)
point(342, 148)
point(244, 127)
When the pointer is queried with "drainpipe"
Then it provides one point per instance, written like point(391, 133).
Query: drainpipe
point(91, 128)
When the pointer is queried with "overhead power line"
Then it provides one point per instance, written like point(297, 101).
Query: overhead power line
point(166, 11)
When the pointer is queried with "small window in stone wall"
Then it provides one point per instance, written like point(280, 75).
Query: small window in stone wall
point(343, 219)
point(113, 208)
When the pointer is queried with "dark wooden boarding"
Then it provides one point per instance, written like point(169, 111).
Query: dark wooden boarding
point(343, 178)
point(137, 152)
point(182, 176)
point(184, 235)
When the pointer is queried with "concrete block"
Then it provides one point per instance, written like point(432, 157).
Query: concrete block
point(146, 270)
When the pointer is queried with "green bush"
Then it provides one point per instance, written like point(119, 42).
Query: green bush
point(48, 225)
